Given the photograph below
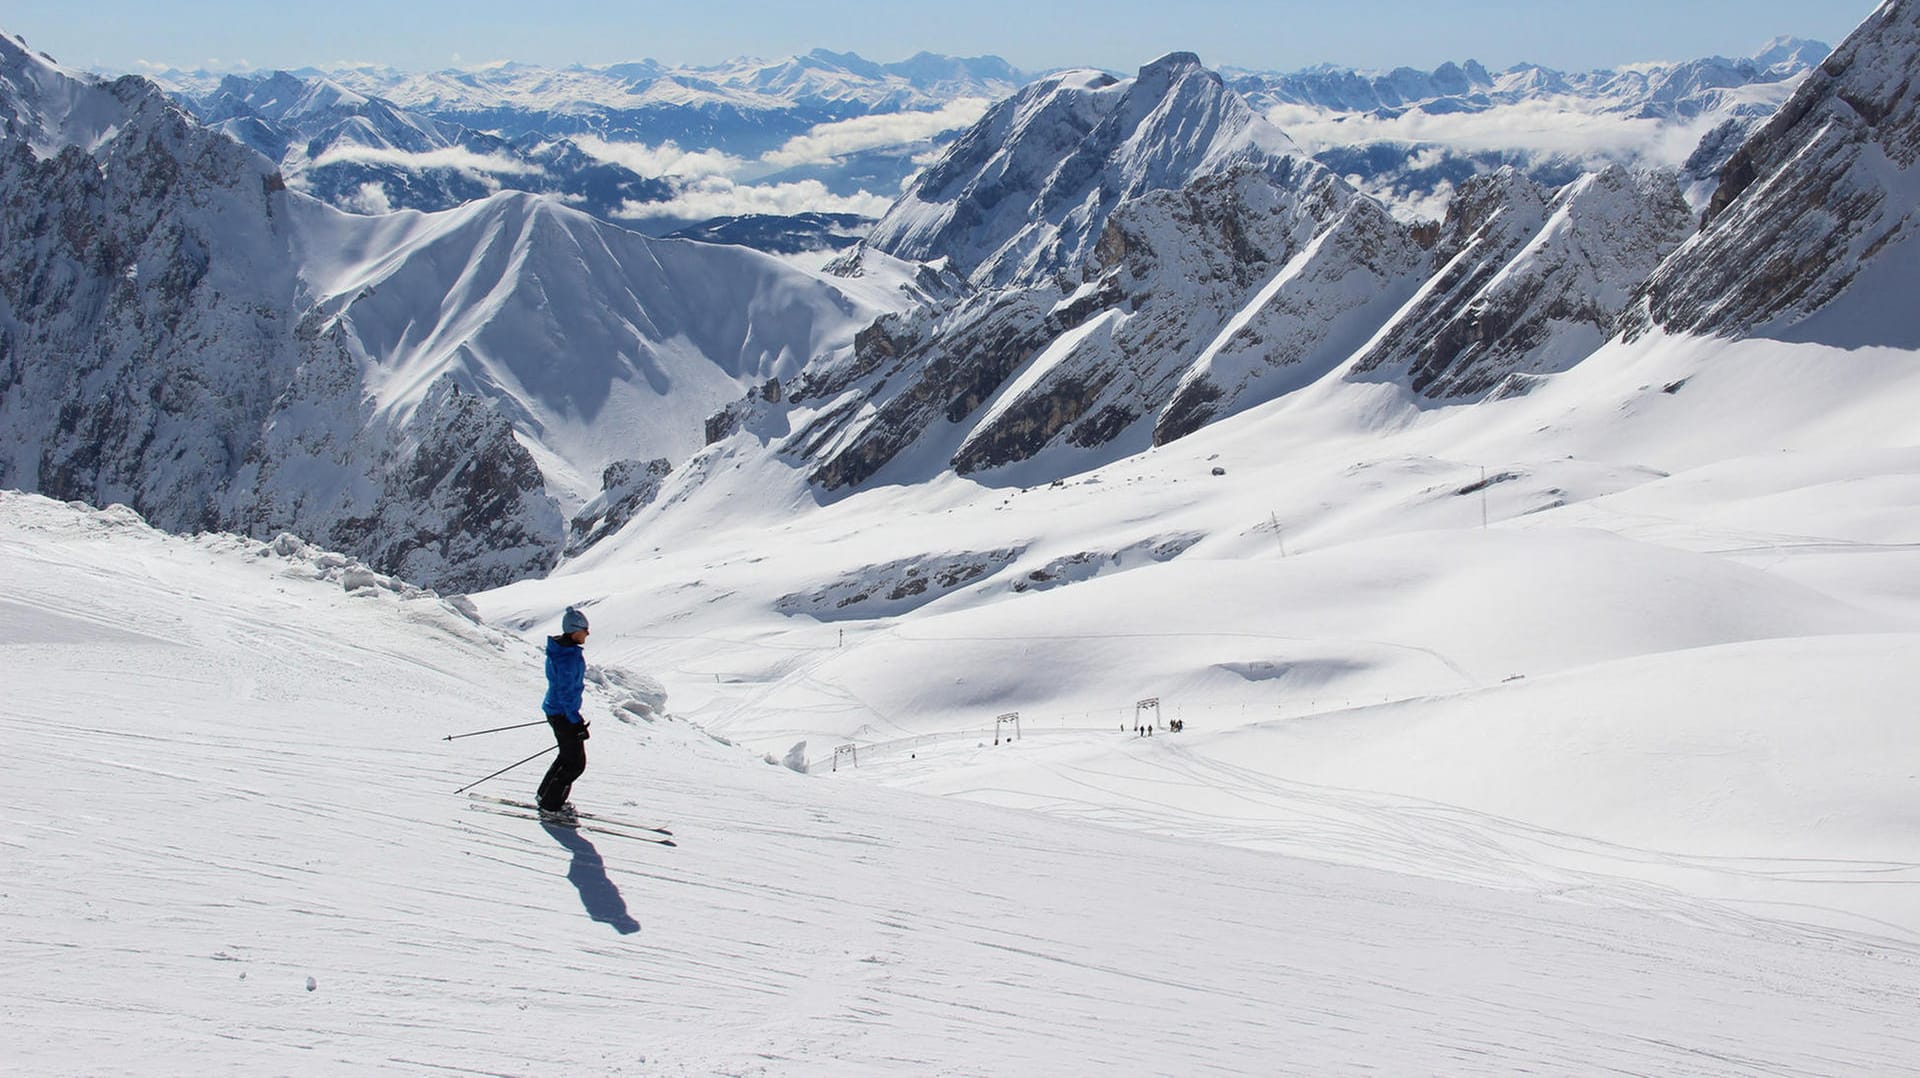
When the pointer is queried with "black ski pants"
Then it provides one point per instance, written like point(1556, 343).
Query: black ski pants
point(568, 766)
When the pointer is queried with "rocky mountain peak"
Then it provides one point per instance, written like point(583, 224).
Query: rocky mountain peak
point(1158, 74)
point(1820, 199)
point(1027, 191)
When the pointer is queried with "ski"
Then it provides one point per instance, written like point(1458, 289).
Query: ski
point(593, 816)
point(654, 837)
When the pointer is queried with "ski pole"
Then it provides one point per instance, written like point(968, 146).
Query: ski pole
point(495, 730)
point(509, 767)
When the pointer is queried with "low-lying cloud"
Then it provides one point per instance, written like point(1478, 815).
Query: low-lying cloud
point(831, 140)
point(666, 159)
point(1563, 126)
point(718, 196)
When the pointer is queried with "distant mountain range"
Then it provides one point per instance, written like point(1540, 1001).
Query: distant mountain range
point(825, 132)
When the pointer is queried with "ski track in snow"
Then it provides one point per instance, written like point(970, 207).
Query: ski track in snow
point(228, 779)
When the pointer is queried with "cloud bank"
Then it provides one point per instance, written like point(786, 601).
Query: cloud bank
point(1558, 126)
point(718, 196)
point(666, 159)
point(827, 141)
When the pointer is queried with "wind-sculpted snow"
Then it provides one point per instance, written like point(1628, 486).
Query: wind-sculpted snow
point(1811, 229)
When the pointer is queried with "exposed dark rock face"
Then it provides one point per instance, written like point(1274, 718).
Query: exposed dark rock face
point(143, 352)
point(626, 487)
point(467, 508)
point(1342, 269)
point(1824, 193)
point(1528, 281)
point(898, 586)
point(917, 382)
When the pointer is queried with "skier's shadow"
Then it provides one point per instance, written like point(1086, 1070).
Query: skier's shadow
point(588, 874)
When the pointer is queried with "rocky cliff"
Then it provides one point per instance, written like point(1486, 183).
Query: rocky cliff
point(1812, 225)
point(1526, 280)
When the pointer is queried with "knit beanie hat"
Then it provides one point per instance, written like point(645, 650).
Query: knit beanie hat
point(572, 621)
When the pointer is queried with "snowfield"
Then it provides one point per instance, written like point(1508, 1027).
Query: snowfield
point(1644, 637)
point(234, 843)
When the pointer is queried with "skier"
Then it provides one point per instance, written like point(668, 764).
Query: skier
point(566, 679)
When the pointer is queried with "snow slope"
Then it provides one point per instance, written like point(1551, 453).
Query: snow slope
point(1679, 573)
point(258, 864)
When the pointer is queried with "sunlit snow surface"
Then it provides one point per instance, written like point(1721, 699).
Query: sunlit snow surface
point(1662, 656)
point(232, 845)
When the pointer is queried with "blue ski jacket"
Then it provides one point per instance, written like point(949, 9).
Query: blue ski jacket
point(566, 678)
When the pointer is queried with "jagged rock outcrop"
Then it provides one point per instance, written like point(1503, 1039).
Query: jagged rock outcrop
point(626, 487)
point(1821, 201)
point(1346, 266)
point(462, 501)
point(1526, 280)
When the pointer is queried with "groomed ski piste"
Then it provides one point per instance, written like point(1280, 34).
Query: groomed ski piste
point(1681, 842)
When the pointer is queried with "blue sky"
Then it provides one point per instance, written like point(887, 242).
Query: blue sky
point(125, 35)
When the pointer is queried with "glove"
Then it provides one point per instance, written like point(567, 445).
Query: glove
point(583, 733)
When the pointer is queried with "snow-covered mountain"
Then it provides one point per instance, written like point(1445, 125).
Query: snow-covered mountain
point(432, 392)
point(1673, 89)
point(1113, 230)
point(777, 98)
point(1027, 191)
point(1151, 256)
point(658, 147)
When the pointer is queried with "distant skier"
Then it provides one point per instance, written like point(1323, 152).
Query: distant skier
point(566, 679)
